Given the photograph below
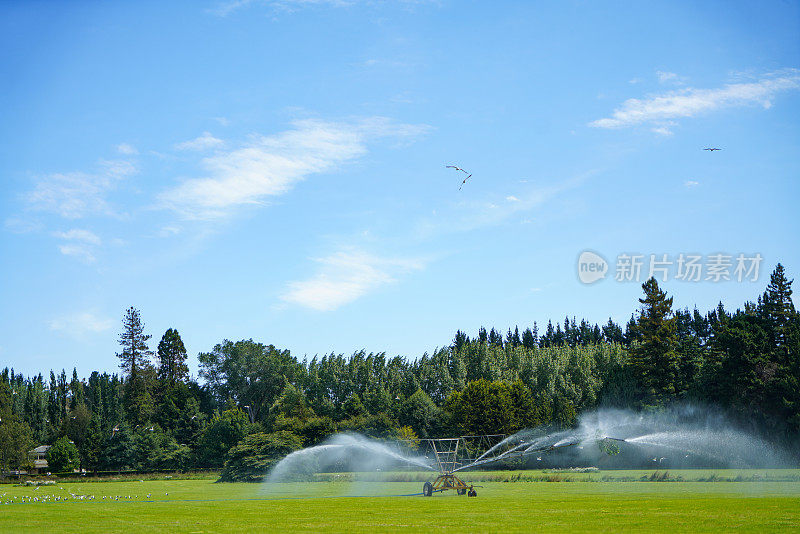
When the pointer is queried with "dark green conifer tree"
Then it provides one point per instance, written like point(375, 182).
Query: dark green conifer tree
point(172, 366)
point(778, 308)
point(135, 363)
point(654, 358)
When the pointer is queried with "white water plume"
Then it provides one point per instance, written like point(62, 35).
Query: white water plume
point(343, 452)
point(685, 436)
point(681, 436)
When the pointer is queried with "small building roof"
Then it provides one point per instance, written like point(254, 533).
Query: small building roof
point(40, 449)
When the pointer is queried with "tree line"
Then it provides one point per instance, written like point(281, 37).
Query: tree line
point(253, 400)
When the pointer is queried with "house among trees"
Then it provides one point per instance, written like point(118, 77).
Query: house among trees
point(38, 458)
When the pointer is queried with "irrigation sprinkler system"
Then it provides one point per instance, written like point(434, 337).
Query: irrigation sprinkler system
point(684, 434)
point(445, 452)
point(451, 455)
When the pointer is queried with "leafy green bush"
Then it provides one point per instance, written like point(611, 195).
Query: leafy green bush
point(312, 430)
point(63, 456)
point(252, 458)
point(223, 431)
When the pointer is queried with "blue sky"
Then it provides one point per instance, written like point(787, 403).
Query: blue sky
point(276, 169)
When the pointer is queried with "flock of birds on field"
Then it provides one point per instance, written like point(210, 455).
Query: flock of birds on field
point(469, 174)
point(66, 496)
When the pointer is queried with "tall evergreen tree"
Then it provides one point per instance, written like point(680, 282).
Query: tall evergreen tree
point(460, 339)
point(513, 338)
point(76, 390)
point(135, 354)
point(778, 307)
point(655, 358)
point(528, 339)
point(482, 335)
point(631, 334)
point(135, 363)
point(548, 339)
point(172, 366)
point(495, 338)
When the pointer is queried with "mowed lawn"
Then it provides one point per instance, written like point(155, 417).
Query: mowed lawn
point(203, 506)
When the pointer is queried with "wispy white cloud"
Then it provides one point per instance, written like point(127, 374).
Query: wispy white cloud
point(377, 127)
point(79, 243)
point(78, 250)
point(77, 194)
point(127, 149)
point(346, 276)
point(80, 324)
point(691, 183)
point(468, 216)
point(79, 235)
point(168, 231)
point(204, 142)
point(690, 102)
point(385, 63)
point(225, 8)
point(268, 166)
point(228, 7)
point(20, 225)
point(669, 77)
point(663, 129)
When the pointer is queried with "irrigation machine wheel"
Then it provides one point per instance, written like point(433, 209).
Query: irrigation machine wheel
point(461, 491)
point(427, 489)
point(472, 493)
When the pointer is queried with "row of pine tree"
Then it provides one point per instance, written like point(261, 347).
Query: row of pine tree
point(153, 415)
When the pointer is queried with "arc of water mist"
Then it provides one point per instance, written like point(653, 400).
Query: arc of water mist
point(500, 444)
point(345, 442)
point(517, 453)
point(637, 440)
point(382, 449)
point(518, 436)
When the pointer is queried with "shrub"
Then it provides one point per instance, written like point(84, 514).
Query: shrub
point(252, 458)
point(63, 456)
point(224, 431)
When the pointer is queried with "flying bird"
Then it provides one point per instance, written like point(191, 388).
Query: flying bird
point(462, 170)
point(712, 149)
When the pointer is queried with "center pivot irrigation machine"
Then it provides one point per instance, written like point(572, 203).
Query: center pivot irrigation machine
point(451, 455)
point(445, 453)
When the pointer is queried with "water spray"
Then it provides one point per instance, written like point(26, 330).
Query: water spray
point(701, 436)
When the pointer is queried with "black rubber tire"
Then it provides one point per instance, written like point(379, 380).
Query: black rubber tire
point(427, 489)
point(461, 491)
point(472, 493)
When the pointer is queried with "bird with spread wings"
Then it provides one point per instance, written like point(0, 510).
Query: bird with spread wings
point(712, 149)
point(462, 170)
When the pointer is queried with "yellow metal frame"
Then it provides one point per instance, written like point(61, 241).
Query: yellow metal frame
point(450, 481)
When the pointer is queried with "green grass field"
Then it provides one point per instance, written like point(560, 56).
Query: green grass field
point(606, 501)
